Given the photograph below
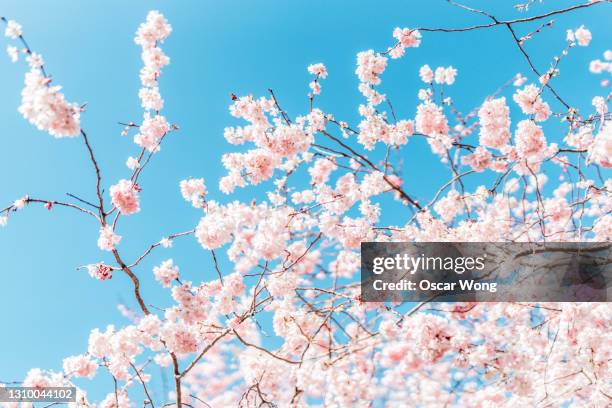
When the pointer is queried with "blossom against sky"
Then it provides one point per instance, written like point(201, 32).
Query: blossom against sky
point(216, 49)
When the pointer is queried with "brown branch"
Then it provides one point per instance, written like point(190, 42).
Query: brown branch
point(157, 244)
point(212, 251)
point(98, 176)
point(135, 281)
point(206, 349)
point(62, 204)
point(143, 384)
point(246, 343)
point(177, 380)
point(533, 68)
point(506, 22)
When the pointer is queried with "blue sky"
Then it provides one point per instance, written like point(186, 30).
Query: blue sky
point(48, 307)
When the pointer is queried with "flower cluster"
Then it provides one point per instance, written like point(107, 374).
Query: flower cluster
point(154, 126)
point(80, 366)
point(107, 240)
point(600, 151)
point(13, 29)
point(530, 141)
point(151, 132)
point(598, 66)
point(441, 75)
point(124, 196)
point(581, 35)
point(370, 67)
point(531, 103)
point(166, 272)
point(406, 38)
point(282, 321)
point(13, 53)
point(494, 117)
point(320, 72)
point(100, 271)
point(278, 142)
point(193, 191)
point(44, 106)
point(374, 128)
point(431, 121)
point(479, 160)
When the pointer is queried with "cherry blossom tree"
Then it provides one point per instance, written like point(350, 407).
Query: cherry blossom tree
point(295, 251)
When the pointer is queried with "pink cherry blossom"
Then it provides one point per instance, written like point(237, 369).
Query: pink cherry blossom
point(21, 203)
point(494, 116)
point(79, 366)
point(321, 170)
point(179, 338)
point(107, 239)
point(215, 228)
point(479, 160)
point(100, 271)
point(193, 191)
point(318, 69)
point(407, 37)
point(45, 107)
point(558, 210)
point(531, 103)
point(132, 163)
point(166, 272)
point(600, 151)
point(442, 75)
point(13, 29)
point(582, 35)
point(124, 196)
point(597, 66)
point(13, 53)
point(35, 60)
point(449, 75)
point(582, 138)
point(450, 206)
point(151, 132)
point(155, 28)
point(519, 80)
point(530, 140)
point(370, 66)
point(151, 99)
point(430, 120)
point(426, 74)
point(100, 343)
point(287, 141)
point(600, 105)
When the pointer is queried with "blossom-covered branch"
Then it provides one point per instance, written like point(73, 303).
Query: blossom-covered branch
point(294, 253)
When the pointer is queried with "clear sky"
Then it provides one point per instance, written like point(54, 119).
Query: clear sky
point(217, 47)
